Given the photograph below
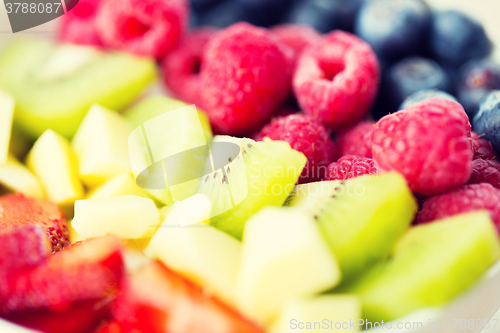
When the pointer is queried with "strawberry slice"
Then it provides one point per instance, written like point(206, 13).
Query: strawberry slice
point(16, 210)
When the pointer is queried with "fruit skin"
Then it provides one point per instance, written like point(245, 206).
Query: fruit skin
point(356, 140)
point(485, 171)
point(78, 25)
point(456, 38)
point(423, 95)
point(306, 136)
point(143, 27)
point(438, 127)
point(237, 97)
point(486, 123)
point(394, 28)
point(19, 210)
point(337, 79)
point(296, 37)
point(460, 200)
point(482, 148)
point(350, 166)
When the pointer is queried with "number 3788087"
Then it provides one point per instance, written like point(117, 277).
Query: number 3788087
point(24, 7)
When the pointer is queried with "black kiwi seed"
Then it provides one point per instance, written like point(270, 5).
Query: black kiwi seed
point(223, 179)
point(228, 170)
point(249, 145)
point(230, 159)
point(315, 217)
point(215, 174)
point(206, 179)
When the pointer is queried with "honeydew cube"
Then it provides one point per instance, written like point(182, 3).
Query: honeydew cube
point(18, 178)
point(121, 184)
point(6, 114)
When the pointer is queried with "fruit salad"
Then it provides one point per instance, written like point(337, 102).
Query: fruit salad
point(249, 166)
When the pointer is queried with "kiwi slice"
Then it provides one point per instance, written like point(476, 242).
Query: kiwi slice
point(55, 85)
point(247, 176)
point(361, 218)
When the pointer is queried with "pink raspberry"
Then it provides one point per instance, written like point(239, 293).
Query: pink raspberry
point(460, 200)
point(485, 171)
point(181, 68)
point(482, 148)
point(307, 136)
point(351, 166)
point(336, 80)
point(244, 78)
point(429, 143)
point(143, 27)
point(78, 24)
point(356, 140)
point(296, 37)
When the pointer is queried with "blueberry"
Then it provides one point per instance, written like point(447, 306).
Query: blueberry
point(477, 79)
point(411, 75)
point(223, 15)
point(487, 120)
point(325, 15)
point(456, 38)
point(203, 5)
point(264, 12)
point(423, 95)
point(394, 28)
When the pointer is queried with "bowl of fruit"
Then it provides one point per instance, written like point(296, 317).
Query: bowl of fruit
point(249, 166)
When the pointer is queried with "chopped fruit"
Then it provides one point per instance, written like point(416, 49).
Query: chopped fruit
point(73, 235)
point(181, 68)
point(485, 171)
point(121, 184)
point(6, 113)
point(101, 146)
point(19, 210)
point(356, 140)
point(70, 293)
point(482, 148)
point(429, 265)
point(306, 136)
point(486, 121)
point(388, 209)
point(283, 255)
point(17, 178)
point(244, 78)
point(306, 194)
point(350, 166)
point(423, 95)
point(157, 300)
point(337, 79)
point(53, 162)
point(143, 27)
point(257, 174)
point(78, 24)
point(127, 217)
point(297, 37)
point(329, 310)
point(207, 255)
point(460, 200)
point(438, 127)
point(54, 86)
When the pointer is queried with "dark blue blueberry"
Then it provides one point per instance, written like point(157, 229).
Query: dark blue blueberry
point(477, 79)
point(487, 120)
point(265, 12)
point(423, 95)
point(411, 75)
point(456, 38)
point(203, 5)
point(223, 15)
point(325, 15)
point(394, 28)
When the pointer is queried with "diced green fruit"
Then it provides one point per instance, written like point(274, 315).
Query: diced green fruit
point(101, 146)
point(319, 314)
point(306, 195)
point(55, 85)
point(283, 257)
point(56, 166)
point(127, 217)
point(201, 252)
point(430, 265)
point(17, 178)
point(121, 184)
point(363, 219)
point(263, 174)
point(6, 113)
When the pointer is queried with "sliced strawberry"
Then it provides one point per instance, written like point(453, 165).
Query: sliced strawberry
point(16, 210)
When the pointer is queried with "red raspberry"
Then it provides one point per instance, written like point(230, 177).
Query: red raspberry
point(351, 166)
point(143, 27)
point(78, 24)
point(429, 143)
point(460, 200)
point(356, 140)
point(181, 68)
point(296, 37)
point(244, 78)
point(482, 148)
point(336, 80)
point(307, 136)
point(485, 171)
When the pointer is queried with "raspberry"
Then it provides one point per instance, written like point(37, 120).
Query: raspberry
point(143, 27)
point(307, 136)
point(244, 78)
point(296, 37)
point(351, 166)
point(336, 80)
point(78, 25)
point(181, 67)
point(429, 143)
point(356, 140)
point(460, 200)
point(482, 148)
point(485, 171)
